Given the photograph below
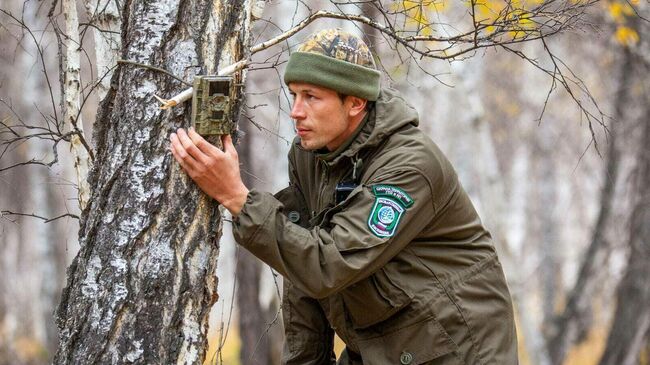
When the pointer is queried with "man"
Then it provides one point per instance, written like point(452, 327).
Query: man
point(376, 237)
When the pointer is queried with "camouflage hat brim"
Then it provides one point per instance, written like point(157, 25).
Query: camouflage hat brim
point(342, 76)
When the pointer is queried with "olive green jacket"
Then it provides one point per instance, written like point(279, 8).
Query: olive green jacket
point(402, 269)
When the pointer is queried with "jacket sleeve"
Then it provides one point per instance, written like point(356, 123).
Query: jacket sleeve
point(309, 339)
point(343, 248)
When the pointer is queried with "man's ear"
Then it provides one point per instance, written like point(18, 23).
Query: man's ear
point(357, 105)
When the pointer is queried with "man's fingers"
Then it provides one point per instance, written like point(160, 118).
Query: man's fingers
point(178, 158)
point(191, 148)
point(181, 155)
point(206, 147)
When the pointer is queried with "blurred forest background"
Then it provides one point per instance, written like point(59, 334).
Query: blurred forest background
point(565, 197)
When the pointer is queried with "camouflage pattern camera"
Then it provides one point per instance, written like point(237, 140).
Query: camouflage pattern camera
point(211, 105)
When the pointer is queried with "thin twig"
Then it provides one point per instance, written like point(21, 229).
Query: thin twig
point(127, 62)
point(4, 213)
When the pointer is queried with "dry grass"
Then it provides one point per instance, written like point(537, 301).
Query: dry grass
point(589, 351)
point(229, 352)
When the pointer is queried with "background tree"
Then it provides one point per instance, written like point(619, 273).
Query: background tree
point(631, 322)
point(258, 325)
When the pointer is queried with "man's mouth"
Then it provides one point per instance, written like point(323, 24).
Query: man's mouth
point(302, 131)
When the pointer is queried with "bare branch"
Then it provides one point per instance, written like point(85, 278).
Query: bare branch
point(558, 77)
point(98, 28)
point(127, 62)
point(4, 213)
point(40, 56)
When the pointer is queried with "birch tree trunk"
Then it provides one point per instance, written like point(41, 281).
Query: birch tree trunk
point(71, 94)
point(104, 15)
point(632, 317)
point(631, 322)
point(567, 327)
point(255, 344)
point(141, 287)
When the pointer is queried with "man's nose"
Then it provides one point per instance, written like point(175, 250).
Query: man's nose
point(297, 110)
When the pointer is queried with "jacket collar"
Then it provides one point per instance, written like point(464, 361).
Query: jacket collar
point(389, 114)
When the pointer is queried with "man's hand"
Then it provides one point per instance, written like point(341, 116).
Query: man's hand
point(216, 172)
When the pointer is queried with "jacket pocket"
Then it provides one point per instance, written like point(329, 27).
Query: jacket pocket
point(419, 343)
point(484, 300)
point(374, 300)
point(323, 217)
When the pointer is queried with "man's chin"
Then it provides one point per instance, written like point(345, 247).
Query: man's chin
point(308, 146)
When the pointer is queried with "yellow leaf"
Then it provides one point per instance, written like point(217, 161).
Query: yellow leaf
point(618, 11)
point(416, 13)
point(615, 11)
point(487, 13)
point(627, 9)
point(489, 10)
point(626, 36)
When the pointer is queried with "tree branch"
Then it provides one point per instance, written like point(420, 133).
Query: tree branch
point(154, 68)
point(4, 213)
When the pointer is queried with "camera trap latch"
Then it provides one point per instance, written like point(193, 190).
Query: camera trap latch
point(211, 105)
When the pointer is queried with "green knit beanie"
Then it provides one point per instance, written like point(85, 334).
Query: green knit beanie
point(336, 60)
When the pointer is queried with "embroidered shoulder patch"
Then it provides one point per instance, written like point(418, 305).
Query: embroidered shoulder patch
point(395, 192)
point(390, 204)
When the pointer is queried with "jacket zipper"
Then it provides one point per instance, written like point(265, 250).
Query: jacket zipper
point(323, 185)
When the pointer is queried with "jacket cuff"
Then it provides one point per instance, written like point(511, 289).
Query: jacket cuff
point(253, 216)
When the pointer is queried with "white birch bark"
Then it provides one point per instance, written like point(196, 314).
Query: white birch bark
point(104, 16)
point(141, 287)
point(71, 96)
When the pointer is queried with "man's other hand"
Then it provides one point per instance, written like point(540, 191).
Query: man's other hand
point(216, 172)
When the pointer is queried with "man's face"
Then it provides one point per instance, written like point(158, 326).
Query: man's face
point(322, 118)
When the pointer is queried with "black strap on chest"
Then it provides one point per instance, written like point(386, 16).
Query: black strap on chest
point(345, 186)
point(351, 180)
